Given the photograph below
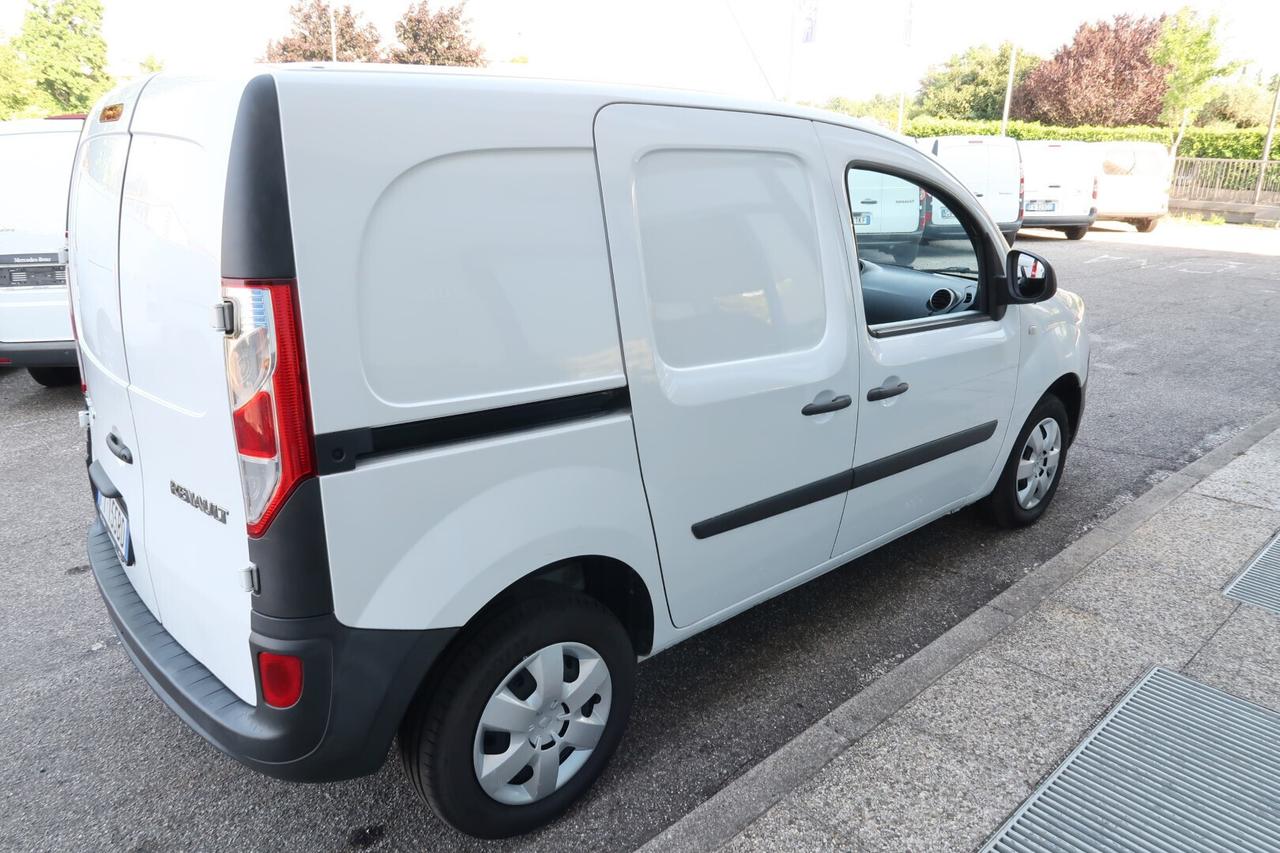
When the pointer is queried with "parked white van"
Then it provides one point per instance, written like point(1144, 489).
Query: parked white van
point(1061, 186)
point(1133, 184)
point(991, 168)
point(429, 402)
point(35, 321)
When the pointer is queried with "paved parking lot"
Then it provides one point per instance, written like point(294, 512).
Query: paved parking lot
point(1185, 354)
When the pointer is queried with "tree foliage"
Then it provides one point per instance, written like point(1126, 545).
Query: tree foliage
point(435, 38)
point(19, 97)
point(1105, 76)
point(971, 85)
point(1239, 103)
point(61, 52)
point(880, 108)
point(1189, 51)
point(309, 40)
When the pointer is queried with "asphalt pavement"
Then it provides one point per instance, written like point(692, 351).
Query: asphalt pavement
point(1185, 348)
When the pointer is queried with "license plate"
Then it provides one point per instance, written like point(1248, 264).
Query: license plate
point(947, 214)
point(1042, 206)
point(860, 218)
point(113, 516)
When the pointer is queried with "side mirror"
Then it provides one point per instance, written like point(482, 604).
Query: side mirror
point(1030, 278)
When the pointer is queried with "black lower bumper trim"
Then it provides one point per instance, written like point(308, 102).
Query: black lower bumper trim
point(38, 354)
point(1051, 221)
point(357, 683)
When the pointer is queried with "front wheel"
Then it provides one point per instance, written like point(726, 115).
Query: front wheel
point(1031, 475)
point(524, 717)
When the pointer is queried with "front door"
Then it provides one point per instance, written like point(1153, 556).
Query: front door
point(938, 368)
point(734, 308)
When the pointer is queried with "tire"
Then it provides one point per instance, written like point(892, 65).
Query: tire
point(1003, 506)
point(55, 377)
point(906, 256)
point(1076, 232)
point(440, 735)
point(1146, 226)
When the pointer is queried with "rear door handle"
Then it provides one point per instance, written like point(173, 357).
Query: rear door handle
point(884, 392)
point(835, 404)
point(119, 448)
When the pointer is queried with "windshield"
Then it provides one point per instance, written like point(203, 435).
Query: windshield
point(35, 175)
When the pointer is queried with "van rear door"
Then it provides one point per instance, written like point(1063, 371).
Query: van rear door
point(93, 225)
point(170, 274)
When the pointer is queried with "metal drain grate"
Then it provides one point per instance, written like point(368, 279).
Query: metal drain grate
point(1259, 583)
point(1174, 766)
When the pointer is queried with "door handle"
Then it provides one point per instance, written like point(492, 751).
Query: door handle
point(119, 448)
point(885, 392)
point(835, 404)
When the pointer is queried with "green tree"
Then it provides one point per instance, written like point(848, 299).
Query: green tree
point(1188, 49)
point(61, 43)
point(1239, 103)
point(19, 96)
point(308, 41)
point(435, 38)
point(879, 108)
point(150, 64)
point(971, 84)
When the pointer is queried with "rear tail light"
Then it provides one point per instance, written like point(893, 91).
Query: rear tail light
point(267, 384)
point(1022, 189)
point(924, 209)
point(281, 679)
point(1095, 189)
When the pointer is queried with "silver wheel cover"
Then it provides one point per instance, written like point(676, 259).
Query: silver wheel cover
point(542, 723)
point(1038, 463)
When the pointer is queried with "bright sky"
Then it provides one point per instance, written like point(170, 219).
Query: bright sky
point(744, 47)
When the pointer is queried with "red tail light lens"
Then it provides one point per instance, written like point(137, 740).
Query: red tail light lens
point(1095, 189)
point(1022, 188)
point(281, 679)
point(267, 384)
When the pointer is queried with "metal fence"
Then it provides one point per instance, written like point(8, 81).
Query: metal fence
point(1208, 179)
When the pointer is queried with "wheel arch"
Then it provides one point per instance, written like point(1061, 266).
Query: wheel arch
point(1067, 388)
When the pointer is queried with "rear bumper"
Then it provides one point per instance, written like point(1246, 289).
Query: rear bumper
point(1057, 221)
point(38, 354)
point(357, 683)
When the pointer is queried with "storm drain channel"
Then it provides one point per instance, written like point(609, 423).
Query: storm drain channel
point(1174, 766)
point(1259, 583)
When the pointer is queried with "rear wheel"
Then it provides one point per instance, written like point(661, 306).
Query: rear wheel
point(1031, 475)
point(1146, 226)
point(54, 377)
point(524, 717)
point(1076, 232)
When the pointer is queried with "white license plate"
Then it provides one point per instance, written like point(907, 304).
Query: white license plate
point(947, 214)
point(117, 523)
point(1042, 206)
point(860, 218)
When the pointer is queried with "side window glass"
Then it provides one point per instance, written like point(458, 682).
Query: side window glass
point(915, 259)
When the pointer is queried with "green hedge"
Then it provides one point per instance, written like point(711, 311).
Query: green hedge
point(1243, 144)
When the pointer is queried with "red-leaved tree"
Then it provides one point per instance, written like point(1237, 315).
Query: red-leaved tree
point(357, 40)
point(435, 38)
point(1105, 76)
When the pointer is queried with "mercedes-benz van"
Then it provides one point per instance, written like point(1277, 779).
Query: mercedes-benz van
point(35, 320)
point(431, 402)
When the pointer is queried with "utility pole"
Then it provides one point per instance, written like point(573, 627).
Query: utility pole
point(902, 93)
point(333, 34)
point(1266, 145)
point(1008, 88)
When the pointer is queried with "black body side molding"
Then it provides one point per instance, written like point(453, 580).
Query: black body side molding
point(836, 484)
point(257, 238)
point(339, 451)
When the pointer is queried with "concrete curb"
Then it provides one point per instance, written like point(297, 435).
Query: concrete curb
point(717, 820)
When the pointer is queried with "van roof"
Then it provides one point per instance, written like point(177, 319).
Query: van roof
point(450, 76)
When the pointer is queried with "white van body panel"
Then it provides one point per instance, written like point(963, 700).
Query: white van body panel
point(989, 166)
point(1059, 180)
point(734, 305)
point(36, 160)
point(1133, 179)
point(425, 313)
point(170, 257)
point(513, 504)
